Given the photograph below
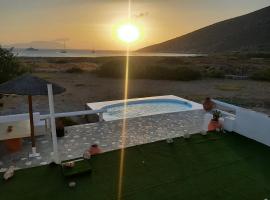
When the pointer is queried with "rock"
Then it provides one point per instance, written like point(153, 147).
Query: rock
point(186, 135)
point(72, 184)
point(169, 140)
point(204, 133)
point(86, 155)
point(9, 173)
point(70, 164)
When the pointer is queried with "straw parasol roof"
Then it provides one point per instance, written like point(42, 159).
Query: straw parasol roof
point(29, 85)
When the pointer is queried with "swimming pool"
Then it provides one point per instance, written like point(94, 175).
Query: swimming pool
point(144, 107)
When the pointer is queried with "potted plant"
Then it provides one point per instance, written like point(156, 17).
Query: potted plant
point(216, 115)
point(214, 124)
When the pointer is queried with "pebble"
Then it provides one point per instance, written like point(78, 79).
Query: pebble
point(3, 170)
point(186, 135)
point(28, 163)
point(72, 184)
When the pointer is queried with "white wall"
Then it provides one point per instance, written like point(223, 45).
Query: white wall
point(253, 125)
point(248, 123)
point(19, 117)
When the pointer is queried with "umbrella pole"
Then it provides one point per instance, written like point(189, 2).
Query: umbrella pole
point(34, 152)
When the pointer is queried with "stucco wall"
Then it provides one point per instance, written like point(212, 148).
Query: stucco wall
point(253, 125)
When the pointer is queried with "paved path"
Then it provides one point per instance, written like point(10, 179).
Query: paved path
point(139, 130)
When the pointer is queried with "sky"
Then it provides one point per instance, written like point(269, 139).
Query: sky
point(90, 24)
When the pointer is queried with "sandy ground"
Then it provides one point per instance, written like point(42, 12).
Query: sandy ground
point(82, 88)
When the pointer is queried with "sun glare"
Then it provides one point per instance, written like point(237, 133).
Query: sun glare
point(128, 33)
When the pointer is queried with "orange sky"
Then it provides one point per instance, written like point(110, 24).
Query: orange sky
point(88, 24)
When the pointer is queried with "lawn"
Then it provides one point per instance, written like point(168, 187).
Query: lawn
point(215, 166)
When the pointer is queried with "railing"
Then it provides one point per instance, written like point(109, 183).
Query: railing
point(226, 107)
point(72, 114)
point(39, 119)
point(76, 113)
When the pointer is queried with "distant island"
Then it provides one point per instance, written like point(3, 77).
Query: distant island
point(247, 33)
point(31, 49)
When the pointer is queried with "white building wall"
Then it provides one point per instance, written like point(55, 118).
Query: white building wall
point(248, 123)
point(253, 125)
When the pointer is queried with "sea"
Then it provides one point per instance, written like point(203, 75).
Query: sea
point(89, 53)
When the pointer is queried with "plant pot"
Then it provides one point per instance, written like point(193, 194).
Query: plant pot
point(13, 145)
point(60, 128)
point(60, 132)
point(214, 125)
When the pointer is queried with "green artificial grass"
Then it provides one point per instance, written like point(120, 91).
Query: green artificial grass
point(81, 167)
point(216, 166)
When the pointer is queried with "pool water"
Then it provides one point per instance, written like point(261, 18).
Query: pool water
point(145, 108)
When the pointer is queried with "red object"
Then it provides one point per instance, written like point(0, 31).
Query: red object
point(214, 125)
point(94, 150)
point(13, 145)
point(208, 105)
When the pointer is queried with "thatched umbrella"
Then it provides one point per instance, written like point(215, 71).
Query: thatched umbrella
point(31, 86)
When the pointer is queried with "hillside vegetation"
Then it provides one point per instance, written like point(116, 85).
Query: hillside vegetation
point(254, 66)
point(188, 68)
point(10, 66)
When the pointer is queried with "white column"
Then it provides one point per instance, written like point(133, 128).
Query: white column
point(101, 117)
point(53, 129)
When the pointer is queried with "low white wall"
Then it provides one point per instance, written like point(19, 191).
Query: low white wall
point(253, 125)
point(20, 117)
point(248, 123)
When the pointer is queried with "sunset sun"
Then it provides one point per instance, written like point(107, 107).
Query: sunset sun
point(128, 33)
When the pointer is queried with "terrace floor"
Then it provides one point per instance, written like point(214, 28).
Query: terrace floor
point(139, 130)
point(216, 166)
